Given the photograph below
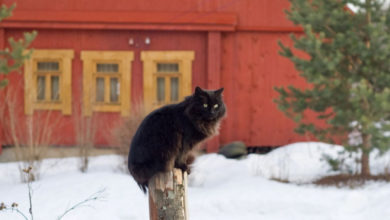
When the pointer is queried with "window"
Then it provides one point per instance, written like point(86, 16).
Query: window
point(106, 81)
point(48, 77)
point(167, 77)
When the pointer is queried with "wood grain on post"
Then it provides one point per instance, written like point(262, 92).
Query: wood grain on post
point(167, 196)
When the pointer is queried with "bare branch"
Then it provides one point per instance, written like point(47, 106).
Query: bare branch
point(95, 196)
point(15, 209)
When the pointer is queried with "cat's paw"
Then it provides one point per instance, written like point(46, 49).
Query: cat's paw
point(183, 167)
point(189, 170)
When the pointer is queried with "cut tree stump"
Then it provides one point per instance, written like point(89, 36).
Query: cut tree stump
point(168, 196)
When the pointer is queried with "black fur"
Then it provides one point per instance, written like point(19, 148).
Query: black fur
point(167, 135)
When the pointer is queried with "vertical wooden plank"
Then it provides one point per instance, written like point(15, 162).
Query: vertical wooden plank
point(67, 82)
point(214, 60)
point(47, 86)
point(167, 89)
point(148, 84)
point(107, 89)
point(187, 74)
point(213, 74)
point(2, 38)
point(87, 84)
point(1, 92)
point(227, 70)
point(125, 86)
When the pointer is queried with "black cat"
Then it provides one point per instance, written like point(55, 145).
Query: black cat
point(167, 135)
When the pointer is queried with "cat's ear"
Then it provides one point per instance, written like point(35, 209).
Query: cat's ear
point(198, 91)
point(219, 91)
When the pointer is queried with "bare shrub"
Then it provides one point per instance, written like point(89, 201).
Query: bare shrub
point(387, 167)
point(85, 130)
point(30, 135)
point(85, 134)
point(125, 132)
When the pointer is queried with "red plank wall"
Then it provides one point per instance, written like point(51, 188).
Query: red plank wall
point(251, 68)
point(242, 58)
point(2, 40)
point(105, 40)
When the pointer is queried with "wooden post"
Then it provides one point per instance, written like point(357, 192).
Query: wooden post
point(2, 93)
point(168, 196)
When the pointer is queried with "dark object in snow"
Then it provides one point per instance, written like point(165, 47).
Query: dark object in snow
point(234, 149)
point(166, 136)
point(260, 149)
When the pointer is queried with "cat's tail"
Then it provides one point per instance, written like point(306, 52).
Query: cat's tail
point(143, 187)
point(142, 174)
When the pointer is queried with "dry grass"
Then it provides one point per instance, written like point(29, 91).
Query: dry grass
point(125, 132)
point(280, 180)
point(85, 129)
point(351, 181)
point(30, 134)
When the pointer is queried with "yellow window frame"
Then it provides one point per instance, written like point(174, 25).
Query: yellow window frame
point(150, 60)
point(90, 60)
point(31, 73)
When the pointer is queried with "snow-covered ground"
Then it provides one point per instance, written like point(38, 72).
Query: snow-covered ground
point(219, 188)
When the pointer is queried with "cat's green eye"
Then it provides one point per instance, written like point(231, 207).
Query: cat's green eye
point(205, 105)
point(216, 106)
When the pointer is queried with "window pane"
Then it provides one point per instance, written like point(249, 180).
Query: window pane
point(168, 67)
point(107, 67)
point(114, 90)
point(41, 88)
point(160, 89)
point(100, 89)
point(174, 89)
point(48, 66)
point(55, 88)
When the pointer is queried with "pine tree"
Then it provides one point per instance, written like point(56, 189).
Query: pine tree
point(346, 63)
point(12, 59)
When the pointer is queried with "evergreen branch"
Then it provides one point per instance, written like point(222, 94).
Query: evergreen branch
point(6, 11)
point(17, 53)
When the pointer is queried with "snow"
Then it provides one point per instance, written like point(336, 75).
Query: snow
point(219, 188)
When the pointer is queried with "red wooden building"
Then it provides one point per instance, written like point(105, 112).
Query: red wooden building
point(100, 58)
